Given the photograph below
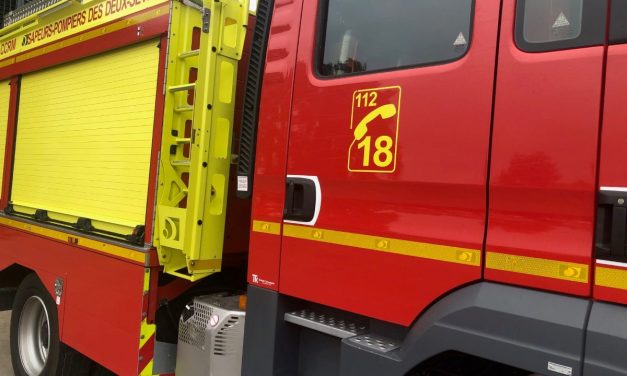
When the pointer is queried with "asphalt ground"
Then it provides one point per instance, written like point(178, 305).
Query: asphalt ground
point(5, 356)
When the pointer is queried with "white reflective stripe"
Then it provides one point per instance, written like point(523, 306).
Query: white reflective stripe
point(614, 189)
point(612, 263)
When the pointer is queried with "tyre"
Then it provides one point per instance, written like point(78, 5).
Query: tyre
point(35, 346)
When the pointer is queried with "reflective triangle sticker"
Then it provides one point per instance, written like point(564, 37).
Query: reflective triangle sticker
point(461, 40)
point(561, 21)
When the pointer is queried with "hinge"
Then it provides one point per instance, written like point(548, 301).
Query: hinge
point(206, 16)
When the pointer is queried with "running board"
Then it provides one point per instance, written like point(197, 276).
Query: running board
point(375, 342)
point(331, 324)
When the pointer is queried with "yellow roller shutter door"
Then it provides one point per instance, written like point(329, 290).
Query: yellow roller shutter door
point(84, 139)
point(5, 94)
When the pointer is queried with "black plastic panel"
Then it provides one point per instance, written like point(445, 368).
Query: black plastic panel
point(300, 200)
point(618, 25)
point(254, 81)
point(518, 327)
point(522, 328)
point(606, 341)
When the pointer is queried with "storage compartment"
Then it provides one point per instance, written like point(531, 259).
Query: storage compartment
point(84, 139)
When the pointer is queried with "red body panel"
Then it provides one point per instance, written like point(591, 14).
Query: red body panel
point(543, 172)
point(614, 148)
point(609, 294)
point(101, 307)
point(436, 194)
point(103, 303)
point(274, 120)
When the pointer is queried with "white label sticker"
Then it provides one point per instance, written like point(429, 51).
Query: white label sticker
point(561, 21)
point(242, 183)
point(58, 300)
point(564, 370)
point(461, 40)
point(261, 281)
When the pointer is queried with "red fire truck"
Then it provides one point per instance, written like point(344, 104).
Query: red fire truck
point(320, 187)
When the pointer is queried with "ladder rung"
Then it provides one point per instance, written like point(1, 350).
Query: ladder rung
point(184, 109)
point(187, 54)
point(182, 87)
point(181, 163)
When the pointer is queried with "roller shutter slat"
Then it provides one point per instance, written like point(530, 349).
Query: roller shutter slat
point(84, 137)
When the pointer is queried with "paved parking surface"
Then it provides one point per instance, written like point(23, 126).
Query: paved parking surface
point(5, 360)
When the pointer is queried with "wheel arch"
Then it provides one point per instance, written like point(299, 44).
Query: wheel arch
point(518, 327)
point(14, 275)
point(70, 360)
point(10, 279)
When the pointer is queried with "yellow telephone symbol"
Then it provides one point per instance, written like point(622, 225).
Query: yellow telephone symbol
point(385, 112)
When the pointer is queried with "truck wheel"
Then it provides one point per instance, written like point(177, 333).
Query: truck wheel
point(35, 346)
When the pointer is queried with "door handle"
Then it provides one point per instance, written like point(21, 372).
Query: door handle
point(611, 233)
point(301, 197)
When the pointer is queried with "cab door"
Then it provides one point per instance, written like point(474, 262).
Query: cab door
point(388, 153)
point(545, 144)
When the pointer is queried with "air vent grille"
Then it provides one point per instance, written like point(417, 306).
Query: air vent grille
point(193, 330)
point(224, 342)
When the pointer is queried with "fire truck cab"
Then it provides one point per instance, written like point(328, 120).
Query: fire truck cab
point(468, 200)
point(321, 187)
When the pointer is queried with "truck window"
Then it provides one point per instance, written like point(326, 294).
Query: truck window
point(363, 36)
point(549, 25)
point(618, 26)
